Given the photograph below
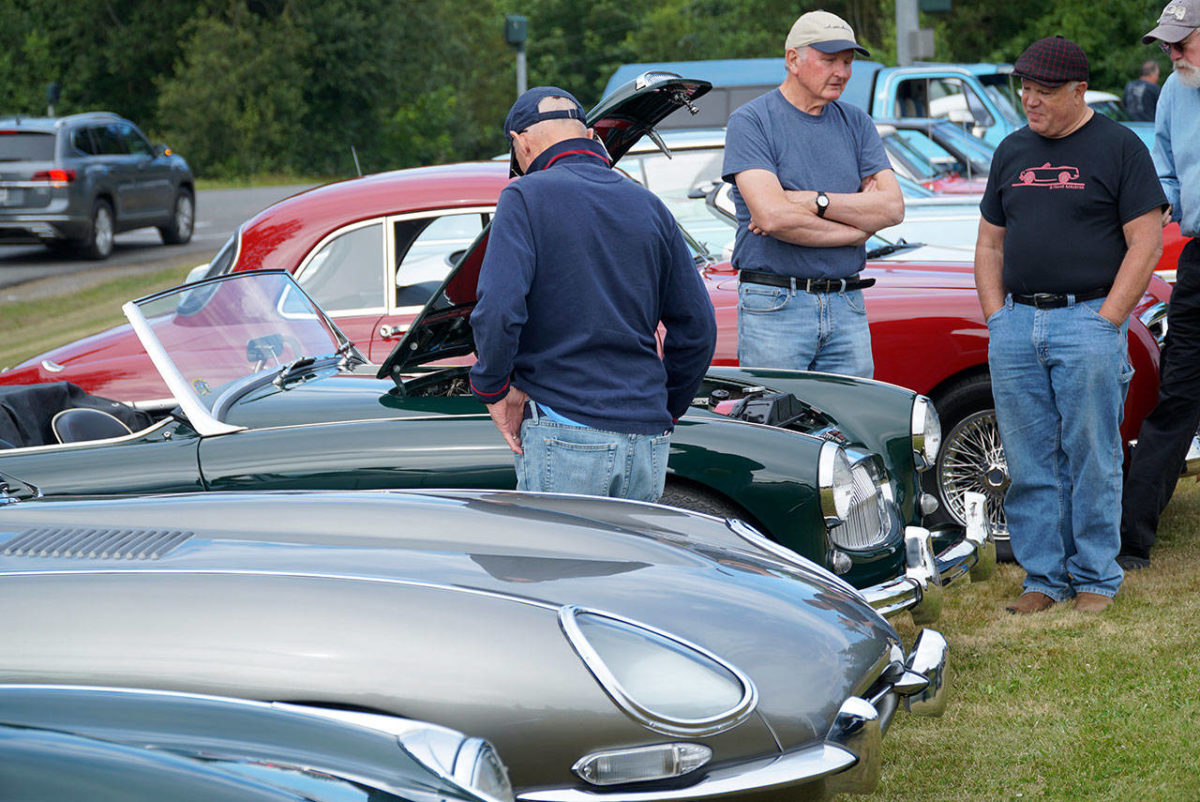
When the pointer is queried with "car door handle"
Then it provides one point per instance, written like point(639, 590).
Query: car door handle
point(390, 332)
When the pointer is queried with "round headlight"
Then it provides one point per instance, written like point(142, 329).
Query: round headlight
point(926, 429)
point(835, 479)
point(663, 682)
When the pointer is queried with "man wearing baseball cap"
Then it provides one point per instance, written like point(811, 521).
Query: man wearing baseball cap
point(1167, 431)
point(582, 265)
point(811, 184)
point(1069, 235)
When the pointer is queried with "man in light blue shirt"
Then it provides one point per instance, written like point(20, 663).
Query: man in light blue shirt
point(1167, 432)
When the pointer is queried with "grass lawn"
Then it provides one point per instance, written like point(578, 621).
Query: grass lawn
point(35, 326)
point(1061, 705)
point(1053, 706)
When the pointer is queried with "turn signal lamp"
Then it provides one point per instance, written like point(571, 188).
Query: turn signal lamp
point(642, 763)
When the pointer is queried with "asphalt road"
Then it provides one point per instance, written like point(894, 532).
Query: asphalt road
point(218, 213)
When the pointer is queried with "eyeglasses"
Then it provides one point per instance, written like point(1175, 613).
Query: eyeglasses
point(1181, 45)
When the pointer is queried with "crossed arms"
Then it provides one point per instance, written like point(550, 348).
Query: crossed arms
point(791, 215)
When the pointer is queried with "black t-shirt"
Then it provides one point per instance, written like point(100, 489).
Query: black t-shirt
point(1063, 202)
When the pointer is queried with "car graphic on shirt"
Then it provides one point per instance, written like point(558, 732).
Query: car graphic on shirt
point(1047, 174)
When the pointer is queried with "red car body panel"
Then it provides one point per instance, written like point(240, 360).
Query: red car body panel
point(926, 325)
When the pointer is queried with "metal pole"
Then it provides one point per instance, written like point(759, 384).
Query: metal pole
point(907, 22)
point(521, 81)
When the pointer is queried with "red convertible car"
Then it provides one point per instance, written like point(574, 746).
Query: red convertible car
point(372, 250)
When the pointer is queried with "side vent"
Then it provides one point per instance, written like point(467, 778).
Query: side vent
point(96, 544)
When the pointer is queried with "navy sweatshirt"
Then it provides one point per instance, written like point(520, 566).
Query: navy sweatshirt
point(581, 265)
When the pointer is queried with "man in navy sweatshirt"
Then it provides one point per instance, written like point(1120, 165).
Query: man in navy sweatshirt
point(582, 265)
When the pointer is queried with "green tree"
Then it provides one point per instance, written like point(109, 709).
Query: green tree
point(235, 103)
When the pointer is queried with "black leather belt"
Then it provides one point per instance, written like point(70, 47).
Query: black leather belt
point(854, 282)
point(1053, 300)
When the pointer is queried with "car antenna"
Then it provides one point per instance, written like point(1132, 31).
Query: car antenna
point(354, 153)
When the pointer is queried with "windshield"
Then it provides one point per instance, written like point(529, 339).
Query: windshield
point(1112, 109)
point(203, 337)
point(979, 152)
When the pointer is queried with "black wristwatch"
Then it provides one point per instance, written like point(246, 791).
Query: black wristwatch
point(822, 204)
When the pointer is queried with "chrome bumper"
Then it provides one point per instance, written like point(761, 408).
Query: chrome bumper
point(920, 589)
point(849, 760)
point(859, 726)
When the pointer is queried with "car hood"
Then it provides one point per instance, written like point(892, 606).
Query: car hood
point(442, 330)
point(791, 626)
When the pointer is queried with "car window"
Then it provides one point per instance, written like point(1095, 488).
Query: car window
point(426, 248)
point(347, 272)
point(81, 140)
point(17, 146)
point(135, 143)
point(108, 140)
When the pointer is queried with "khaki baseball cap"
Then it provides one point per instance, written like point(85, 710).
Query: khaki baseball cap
point(827, 32)
point(1177, 20)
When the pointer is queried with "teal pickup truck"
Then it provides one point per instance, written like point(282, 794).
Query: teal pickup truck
point(982, 97)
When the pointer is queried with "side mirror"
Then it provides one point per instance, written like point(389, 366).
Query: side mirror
point(162, 150)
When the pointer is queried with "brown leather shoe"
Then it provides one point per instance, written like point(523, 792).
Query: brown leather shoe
point(1092, 602)
point(1031, 602)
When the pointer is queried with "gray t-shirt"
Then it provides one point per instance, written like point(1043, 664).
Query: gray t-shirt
point(829, 152)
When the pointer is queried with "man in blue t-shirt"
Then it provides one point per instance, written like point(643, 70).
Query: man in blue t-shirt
point(811, 184)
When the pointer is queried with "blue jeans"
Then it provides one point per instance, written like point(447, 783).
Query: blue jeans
point(575, 459)
point(1059, 378)
point(779, 327)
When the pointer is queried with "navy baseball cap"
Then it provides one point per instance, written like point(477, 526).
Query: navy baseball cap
point(1053, 61)
point(524, 113)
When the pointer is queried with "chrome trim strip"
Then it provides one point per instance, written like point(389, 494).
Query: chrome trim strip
point(710, 725)
point(790, 768)
point(197, 414)
point(83, 444)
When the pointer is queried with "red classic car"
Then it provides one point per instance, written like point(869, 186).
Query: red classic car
point(372, 250)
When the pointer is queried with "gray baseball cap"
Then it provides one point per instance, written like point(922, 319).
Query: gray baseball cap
point(1177, 20)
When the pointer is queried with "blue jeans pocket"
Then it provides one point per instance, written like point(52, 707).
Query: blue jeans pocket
point(761, 299)
point(854, 302)
point(587, 468)
point(1099, 318)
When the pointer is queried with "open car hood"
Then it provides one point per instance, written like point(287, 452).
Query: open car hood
point(442, 329)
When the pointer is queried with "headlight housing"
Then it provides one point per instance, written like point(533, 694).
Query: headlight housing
point(856, 489)
point(926, 431)
point(661, 681)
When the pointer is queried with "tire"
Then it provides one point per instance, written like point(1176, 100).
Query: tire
point(98, 242)
point(695, 500)
point(183, 219)
point(971, 457)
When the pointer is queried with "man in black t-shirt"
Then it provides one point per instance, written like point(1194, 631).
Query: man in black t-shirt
point(1069, 235)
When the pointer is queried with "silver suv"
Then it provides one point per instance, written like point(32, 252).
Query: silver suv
point(73, 182)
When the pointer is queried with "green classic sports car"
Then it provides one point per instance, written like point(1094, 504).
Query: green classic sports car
point(268, 394)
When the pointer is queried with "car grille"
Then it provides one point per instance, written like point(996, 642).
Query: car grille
point(866, 526)
point(96, 544)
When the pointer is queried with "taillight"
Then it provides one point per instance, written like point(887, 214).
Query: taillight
point(55, 176)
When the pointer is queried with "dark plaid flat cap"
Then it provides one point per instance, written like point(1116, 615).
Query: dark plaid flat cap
point(1052, 61)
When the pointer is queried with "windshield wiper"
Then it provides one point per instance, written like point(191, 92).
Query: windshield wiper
point(895, 247)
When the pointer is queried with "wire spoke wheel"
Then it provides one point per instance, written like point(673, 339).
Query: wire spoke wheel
point(972, 459)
